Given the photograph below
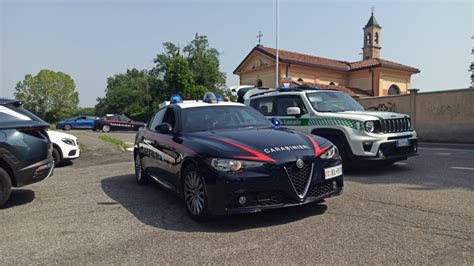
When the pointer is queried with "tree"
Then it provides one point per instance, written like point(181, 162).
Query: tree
point(128, 94)
point(50, 95)
point(204, 62)
point(190, 71)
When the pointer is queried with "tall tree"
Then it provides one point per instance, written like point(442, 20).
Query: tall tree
point(127, 93)
point(204, 62)
point(50, 95)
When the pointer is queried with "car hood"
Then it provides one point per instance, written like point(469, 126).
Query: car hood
point(60, 135)
point(262, 144)
point(369, 115)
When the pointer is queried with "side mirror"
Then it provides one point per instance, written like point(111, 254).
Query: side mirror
point(164, 128)
point(295, 111)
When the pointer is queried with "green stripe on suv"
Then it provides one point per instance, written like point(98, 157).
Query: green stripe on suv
point(325, 121)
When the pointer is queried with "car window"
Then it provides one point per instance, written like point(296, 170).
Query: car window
point(81, 118)
point(9, 115)
point(263, 105)
point(283, 102)
point(91, 118)
point(169, 118)
point(157, 119)
point(124, 118)
point(221, 117)
point(331, 101)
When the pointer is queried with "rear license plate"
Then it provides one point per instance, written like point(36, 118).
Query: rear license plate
point(403, 142)
point(333, 172)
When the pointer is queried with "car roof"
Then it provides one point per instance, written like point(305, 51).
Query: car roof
point(192, 104)
point(288, 92)
point(4, 101)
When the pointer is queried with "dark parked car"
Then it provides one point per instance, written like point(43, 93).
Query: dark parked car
point(78, 122)
point(25, 148)
point(117, 123)
point(225, 158)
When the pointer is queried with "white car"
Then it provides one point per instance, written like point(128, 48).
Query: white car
point(65, 146)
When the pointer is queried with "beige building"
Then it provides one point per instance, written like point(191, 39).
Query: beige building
point(372, 76)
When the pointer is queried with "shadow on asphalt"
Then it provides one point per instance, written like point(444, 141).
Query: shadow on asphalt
point(19, 197)
point(404, 174)
point(155, 206)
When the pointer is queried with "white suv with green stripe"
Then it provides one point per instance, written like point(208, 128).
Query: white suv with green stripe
point(359, 135)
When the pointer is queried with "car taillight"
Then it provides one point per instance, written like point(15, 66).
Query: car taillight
point(39, 132)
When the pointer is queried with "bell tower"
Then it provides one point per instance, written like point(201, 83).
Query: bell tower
point(371, 48)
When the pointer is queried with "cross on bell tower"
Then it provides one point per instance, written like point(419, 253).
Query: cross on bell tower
point(371, 48)
point(259, 36)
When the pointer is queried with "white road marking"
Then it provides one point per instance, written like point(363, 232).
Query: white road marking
point(443, 153)
point(462, 168)
point(400, 163)
point(444, 149)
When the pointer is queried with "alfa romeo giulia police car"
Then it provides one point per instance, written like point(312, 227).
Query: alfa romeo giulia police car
point(224, 157)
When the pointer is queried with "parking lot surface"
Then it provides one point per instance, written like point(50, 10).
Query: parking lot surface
point(92, 211)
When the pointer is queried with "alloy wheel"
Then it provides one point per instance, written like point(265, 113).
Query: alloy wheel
point(194, 193)
point(138, 168)
point(106, 128)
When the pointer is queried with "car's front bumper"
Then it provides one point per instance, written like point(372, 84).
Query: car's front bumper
point(388, 151)
point(269, 189)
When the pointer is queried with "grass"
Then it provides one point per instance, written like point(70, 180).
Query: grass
point(82, 147)
point(114, 141)
point(52, 126)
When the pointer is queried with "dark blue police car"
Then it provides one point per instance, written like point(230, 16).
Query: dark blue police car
point(224, 157)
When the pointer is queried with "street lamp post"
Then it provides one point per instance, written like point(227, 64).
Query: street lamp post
point(277, 40)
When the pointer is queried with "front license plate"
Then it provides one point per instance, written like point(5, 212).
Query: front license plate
point(403, 142)
point(333, 172)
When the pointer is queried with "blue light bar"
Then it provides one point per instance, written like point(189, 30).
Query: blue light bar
point(176, 99)
point(209, 97)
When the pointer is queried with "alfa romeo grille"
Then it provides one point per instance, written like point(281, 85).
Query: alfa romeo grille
point(299, 177)
point(322, 189)
point(396, 125)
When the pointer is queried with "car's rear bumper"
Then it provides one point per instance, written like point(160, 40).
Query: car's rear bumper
point(35, 173)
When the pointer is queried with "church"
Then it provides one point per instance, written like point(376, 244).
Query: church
point(371, 76)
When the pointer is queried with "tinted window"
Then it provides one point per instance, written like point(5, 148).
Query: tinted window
point(283, 102)
point(169, 118)
point(263, 105)
point(332, 101)
point(157, 118)
point(221, 117)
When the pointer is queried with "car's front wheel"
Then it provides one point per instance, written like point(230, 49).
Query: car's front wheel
point(140, 175)
point(105, 128)
point(5, 186)
point(56, 156)
point(194, 194)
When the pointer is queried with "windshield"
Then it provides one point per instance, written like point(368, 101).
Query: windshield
point(221, 117)
point(332, 101)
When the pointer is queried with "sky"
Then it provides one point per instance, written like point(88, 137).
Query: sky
point(93, 40)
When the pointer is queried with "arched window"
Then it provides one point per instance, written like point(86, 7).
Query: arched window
point(300, 80)
point(259, 83)
point(394, 90)
point(376, 38)
point(332, 83)
point(368, 38)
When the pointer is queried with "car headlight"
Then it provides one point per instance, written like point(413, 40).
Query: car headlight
point(329, 153)
point(230, 165)
point(68, 141)
point(370, 126)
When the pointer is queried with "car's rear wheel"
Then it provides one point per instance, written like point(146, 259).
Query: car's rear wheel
point(194, 194)
point(56, 156)
point(67, 127)
point(5, 186)
point(140, 175)
point(105, 128)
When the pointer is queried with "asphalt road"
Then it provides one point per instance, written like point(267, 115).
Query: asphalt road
point(92, 211)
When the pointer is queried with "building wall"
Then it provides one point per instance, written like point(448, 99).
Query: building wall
point(388, 78)
point(446, 116)
point(361, 79)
